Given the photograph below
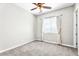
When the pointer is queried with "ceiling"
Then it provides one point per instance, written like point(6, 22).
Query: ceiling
point(55, 6)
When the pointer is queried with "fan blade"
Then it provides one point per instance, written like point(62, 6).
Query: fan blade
point(35, 4)
point(33, 8)
point(47, 7)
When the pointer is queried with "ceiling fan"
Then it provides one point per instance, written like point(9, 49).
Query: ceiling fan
point(40, 6)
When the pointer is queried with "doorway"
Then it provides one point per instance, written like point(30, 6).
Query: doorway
point(51, 29)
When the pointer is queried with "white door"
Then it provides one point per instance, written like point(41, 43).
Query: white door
point(51, 30)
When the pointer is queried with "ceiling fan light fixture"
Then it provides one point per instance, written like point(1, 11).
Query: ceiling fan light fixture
point(40, 6)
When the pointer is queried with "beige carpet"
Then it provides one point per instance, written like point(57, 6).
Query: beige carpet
point(37, 48)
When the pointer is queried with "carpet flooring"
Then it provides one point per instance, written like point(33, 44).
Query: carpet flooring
point(37, 48)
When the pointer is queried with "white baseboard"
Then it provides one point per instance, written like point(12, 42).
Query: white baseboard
point(64, 45)
point(15, 46)
point(68, 45)
point(60, 44)
point(29, 42)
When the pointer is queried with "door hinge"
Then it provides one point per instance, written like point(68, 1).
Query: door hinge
point(76, 24)
point(76, 34)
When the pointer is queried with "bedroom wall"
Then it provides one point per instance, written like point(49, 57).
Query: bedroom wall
point(67, 24)
point(16, 26)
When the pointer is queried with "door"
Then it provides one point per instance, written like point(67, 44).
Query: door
point(51, 30)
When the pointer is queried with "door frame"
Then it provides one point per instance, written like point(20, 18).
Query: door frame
point(75, 28)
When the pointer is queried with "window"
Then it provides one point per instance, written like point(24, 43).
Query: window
point(50, 25)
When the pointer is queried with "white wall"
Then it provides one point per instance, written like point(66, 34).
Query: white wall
point(16, 26)
point(67, 24)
